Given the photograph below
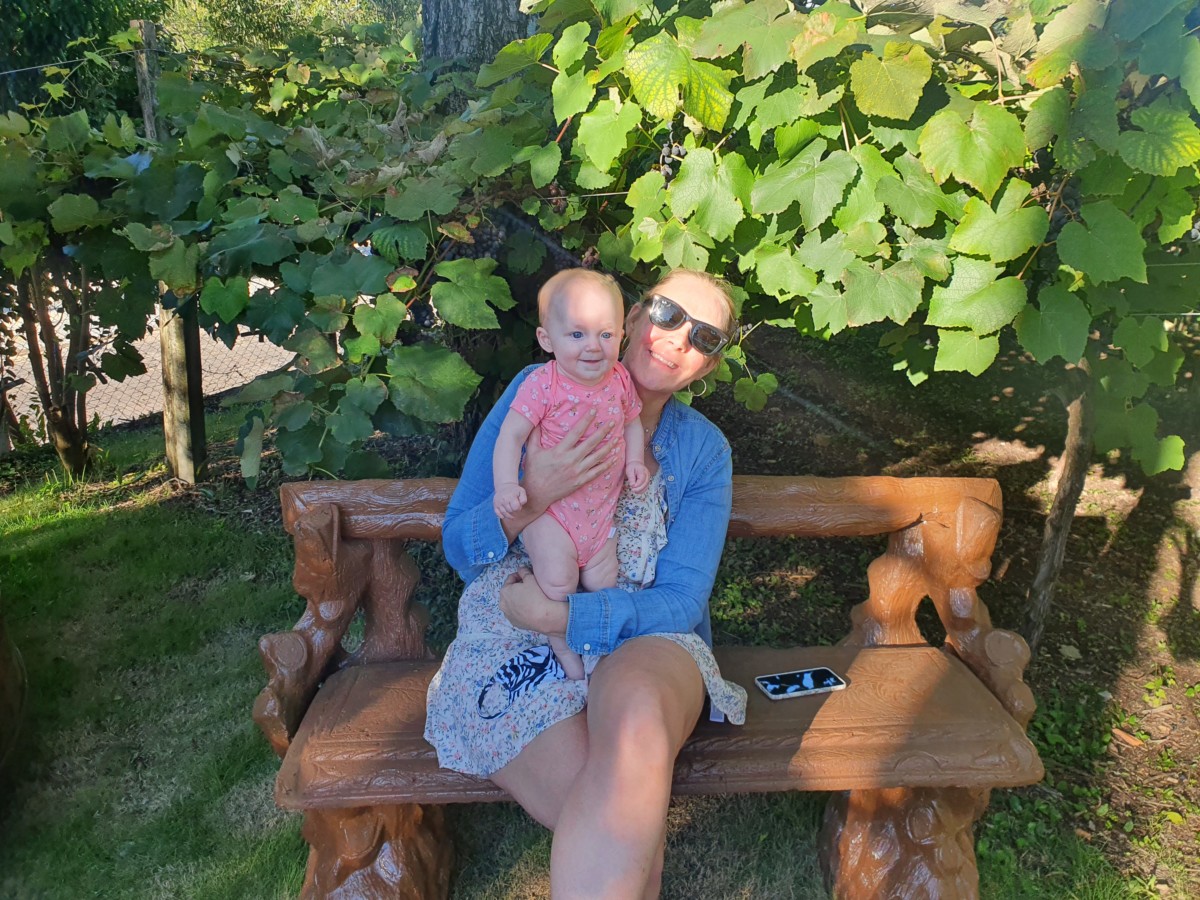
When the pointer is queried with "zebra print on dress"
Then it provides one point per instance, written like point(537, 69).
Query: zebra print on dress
point(516, 675)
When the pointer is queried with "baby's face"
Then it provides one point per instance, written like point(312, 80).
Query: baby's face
point(583, 331)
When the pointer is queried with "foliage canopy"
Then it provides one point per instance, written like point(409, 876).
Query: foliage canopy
point(955, 169)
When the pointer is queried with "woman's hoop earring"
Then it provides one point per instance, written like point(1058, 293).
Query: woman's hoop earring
point(703, 382)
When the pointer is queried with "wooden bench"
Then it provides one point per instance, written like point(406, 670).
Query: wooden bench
point(911, 749)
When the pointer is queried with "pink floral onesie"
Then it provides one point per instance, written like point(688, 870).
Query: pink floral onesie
point(552, 400)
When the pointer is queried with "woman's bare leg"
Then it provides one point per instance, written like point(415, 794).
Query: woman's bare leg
point(643, 701)
point(542, 774)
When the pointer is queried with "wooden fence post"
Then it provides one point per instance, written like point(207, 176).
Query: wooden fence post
point(179, 331)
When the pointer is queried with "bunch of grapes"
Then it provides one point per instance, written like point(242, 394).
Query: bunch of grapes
point(558, 197)
point(420, 311)
point(590, 258)
point(669, 156)
point(1065, 210)
point(488, 240)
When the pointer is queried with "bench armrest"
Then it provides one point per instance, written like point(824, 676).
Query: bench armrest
point(337, 576)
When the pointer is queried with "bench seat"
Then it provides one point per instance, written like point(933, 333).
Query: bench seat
point(912, 716)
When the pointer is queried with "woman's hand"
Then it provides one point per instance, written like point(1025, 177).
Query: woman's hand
point(551, 474)
point(526, 607)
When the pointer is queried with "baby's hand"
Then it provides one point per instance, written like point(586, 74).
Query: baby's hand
point(508, 500)
point(637, 475)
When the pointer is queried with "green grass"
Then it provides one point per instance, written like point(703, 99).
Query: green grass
point(138, 771)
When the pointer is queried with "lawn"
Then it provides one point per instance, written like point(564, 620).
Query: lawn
point(136, 606)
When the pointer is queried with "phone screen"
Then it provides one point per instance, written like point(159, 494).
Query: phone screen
point(801, 682)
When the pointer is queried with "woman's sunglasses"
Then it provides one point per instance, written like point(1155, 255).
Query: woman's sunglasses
point(669, 315)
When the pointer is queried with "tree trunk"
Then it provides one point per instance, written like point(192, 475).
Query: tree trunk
point(1077, 453)
point(470, 32)
point(69, 436)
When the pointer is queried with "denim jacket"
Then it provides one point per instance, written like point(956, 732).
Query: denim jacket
point(697, 472)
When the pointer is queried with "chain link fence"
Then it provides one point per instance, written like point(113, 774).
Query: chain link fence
point(139, 396)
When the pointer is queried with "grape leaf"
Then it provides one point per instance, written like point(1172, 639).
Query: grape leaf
point(381, 319)
point(275, 313)
point(70, 212)
point(1006, 233)
point(830, 256)
point(604, 131)
point(291, 206)
point(763, 29)
point(416, 197)
point(294, 416)
point(348, 424)
point(708, 190)
point(1057, 326)
point(240, 248)
point(928, 254)
point(226, 299)
point(1129, 18)
point(400, 242)
point(430, 382)
point(300, 448)
point(350, 276)
point(177, 267)
point(1140, 340)
point(572, 94)
point(976, 299)
point(659, 69)
point(1168, 139)
point(781, 274)
point(1047, 118)
point(824, 35)
point(315, 352)
point(684, 247)
point(874, 294)
point(915, 197)
point(463, 298)
point(571, 46)
point(965, 351)
point(513, 58)
point(544, 162)
point(978, 151)
point(753, 392)
point(816, 184)
point(892, 86)
point(1108, 248)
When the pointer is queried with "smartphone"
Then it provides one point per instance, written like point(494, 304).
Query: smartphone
point(801, 683)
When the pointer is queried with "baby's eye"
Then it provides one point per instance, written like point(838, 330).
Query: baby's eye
point(607, 335)
point(577, 334)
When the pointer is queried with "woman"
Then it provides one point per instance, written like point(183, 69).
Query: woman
point(599, 777)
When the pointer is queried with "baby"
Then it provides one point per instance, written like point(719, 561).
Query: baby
point(572, 543)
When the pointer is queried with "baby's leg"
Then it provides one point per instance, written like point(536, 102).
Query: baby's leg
point(601, 570)
point(556, 568)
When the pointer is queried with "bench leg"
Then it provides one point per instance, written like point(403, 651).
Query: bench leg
point(400, 852)
point(902, 843)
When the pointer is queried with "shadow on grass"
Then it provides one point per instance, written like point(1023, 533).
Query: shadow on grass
point(137, 771)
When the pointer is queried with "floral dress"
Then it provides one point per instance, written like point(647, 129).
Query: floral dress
point(499, 687)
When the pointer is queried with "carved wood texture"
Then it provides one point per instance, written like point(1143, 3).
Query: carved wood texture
point(881, 842)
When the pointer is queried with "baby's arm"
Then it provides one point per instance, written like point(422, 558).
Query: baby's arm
point(636, 472)
point(506, 463)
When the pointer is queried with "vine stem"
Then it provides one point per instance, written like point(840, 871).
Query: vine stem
point(563, 130)
point(999, 66)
